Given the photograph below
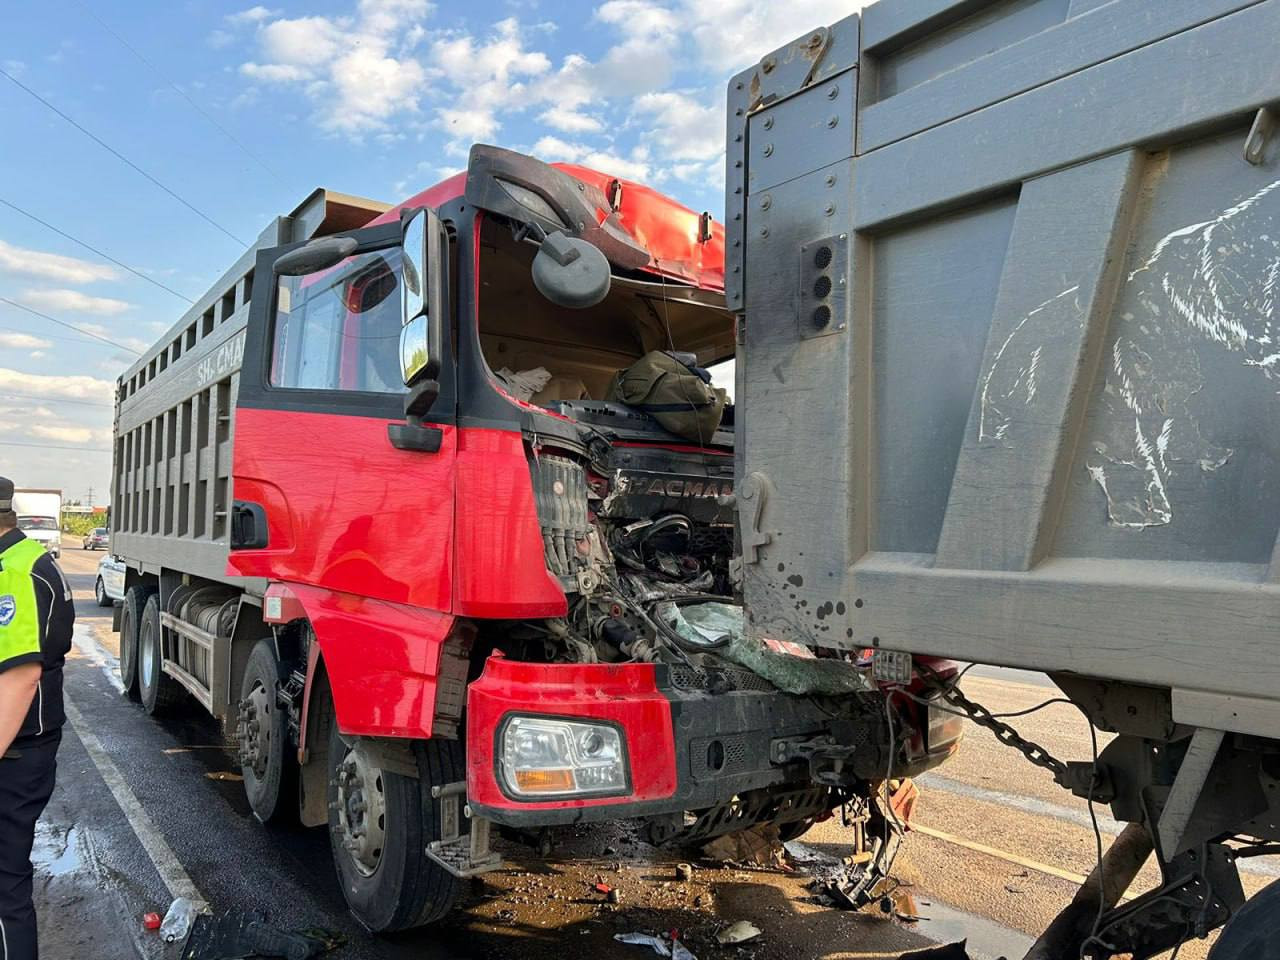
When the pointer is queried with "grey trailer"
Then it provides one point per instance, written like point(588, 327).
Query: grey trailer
point(1007, 275)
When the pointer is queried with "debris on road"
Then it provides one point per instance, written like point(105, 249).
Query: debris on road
point(177, 920)
point(684, 872)
point(151, 921)
point(238, 933)
point(759, 845)
point(676, 951)
point(739, 932)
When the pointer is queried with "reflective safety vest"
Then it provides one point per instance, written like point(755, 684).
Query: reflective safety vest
point(19, 617)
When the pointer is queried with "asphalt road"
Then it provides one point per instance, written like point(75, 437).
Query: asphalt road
point(144, 807)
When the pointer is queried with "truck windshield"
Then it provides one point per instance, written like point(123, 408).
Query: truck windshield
point(37, 523)
point(339, 329)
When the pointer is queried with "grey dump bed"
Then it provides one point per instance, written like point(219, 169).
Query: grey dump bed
point(1009, 274)
point(175, 413)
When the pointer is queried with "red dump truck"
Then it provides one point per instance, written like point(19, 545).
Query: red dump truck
point(433, 589)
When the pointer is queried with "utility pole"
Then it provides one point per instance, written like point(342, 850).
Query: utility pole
point(89, 498)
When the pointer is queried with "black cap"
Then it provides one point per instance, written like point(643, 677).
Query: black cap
point(6, 494)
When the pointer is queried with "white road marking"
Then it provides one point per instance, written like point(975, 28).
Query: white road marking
point(175, 877)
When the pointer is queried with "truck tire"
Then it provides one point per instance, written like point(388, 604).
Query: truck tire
point(135, 600)
point(1254, 932)
point(267, 763)
point(158, 690)
point(379, 851)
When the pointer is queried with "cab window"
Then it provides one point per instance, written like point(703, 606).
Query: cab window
point(339, 329)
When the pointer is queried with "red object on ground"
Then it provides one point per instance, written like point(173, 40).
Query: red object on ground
point(151, 921)
point(603, 888)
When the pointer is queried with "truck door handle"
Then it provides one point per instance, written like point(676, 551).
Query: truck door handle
point(415, 436)
point(248, 525)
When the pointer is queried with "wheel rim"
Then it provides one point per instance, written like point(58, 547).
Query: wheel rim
point(146, 655)
point(254, 732)
point(362, 809)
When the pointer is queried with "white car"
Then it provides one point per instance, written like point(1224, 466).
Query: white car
point(109, 586)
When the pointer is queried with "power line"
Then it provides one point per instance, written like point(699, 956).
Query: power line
point(87, 333)
point(105, 256)
point(32, 396)
point(182, 93)
point(54, 446)
point(120, 156)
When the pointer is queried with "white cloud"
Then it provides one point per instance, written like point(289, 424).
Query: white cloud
point(570, 121)
point(359, 71)
point(74, 301)
point(252, 15)
point(636, 166)
point(683, 128)
point(731, 35)
point(73, 387)
point(23, 341)
point(66, 434)
point(53, 266)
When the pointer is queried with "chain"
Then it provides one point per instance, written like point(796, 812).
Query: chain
point(983, 717)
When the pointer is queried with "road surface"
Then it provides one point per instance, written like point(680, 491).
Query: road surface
point(146, 807)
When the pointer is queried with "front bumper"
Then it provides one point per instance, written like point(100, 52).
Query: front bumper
point(692, 741)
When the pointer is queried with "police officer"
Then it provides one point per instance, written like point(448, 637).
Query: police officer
point(36, 617)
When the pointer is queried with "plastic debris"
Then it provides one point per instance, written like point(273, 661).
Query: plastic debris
point(676, 950)
point(177, 921)
point(684, 871)
point(151, 921)
point(709, 623)
point(239, 933)
point(739, 932)
point(603, 888)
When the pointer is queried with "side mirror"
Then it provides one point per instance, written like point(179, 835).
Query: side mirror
point(424, 280)
point(414, 265)
point(571, 272)
point(319, 254)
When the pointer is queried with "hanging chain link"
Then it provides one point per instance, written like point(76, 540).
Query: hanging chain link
point(983, 717)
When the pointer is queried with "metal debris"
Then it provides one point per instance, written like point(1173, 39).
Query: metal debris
point(739, 932)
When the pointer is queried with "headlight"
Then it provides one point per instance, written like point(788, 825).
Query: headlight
point(547, 757)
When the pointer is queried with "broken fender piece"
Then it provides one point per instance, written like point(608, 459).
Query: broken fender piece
point(676, 951)
point(739, 932)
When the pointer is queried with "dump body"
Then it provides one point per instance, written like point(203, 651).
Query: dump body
point(1009, 276)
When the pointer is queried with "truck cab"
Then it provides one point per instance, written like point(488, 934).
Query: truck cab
point(464, 584)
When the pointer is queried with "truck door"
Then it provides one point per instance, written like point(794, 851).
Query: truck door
point(325, 493)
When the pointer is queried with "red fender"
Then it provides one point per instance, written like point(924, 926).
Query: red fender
point(382, 658)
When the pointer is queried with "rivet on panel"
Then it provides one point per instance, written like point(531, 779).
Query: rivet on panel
point(831, 180)
point(833, 92)
point(832, 122)
point(768, 149)
point(766, 202)
point(768, 123)
point(830, 209)
point(768, 65)
point(764, 231)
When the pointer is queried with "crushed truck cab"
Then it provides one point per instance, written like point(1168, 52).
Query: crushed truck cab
point(435, 503)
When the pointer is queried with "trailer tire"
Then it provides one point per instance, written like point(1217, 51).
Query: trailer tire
point(1254, 932)
point(135, 600)
point(267, 764)
point(158, 690)
point(400, 887)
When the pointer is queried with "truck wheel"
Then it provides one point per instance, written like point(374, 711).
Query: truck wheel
point(158, 690)
point(100, 594)
point(380, 823)
point(268, 765)
point(1254, 932)
point(135, 600)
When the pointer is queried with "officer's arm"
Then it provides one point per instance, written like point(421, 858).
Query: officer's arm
point(17, 689)
point(60, 616)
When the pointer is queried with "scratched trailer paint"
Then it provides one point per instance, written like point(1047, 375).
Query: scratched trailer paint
point(1009, 275)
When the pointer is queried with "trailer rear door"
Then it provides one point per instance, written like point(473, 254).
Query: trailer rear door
point(1009, 275)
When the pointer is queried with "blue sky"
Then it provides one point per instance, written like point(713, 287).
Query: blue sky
point(242, 110)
